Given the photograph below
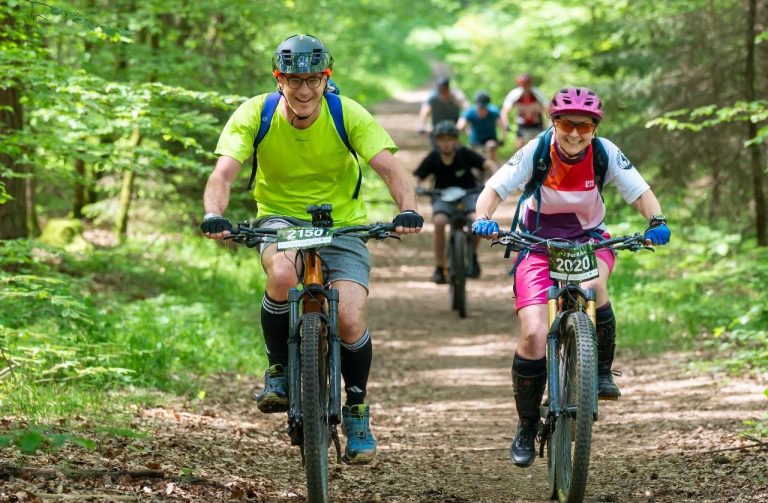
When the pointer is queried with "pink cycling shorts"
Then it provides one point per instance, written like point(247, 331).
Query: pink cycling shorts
point(532, 277)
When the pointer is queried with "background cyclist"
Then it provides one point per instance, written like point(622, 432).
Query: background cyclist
point(299, 166)
point(530, 105)
point(443, 103)
point(571, 207)
point(483, 118)
point(451, 165)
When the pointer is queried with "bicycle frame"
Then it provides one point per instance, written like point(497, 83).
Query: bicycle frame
point(314, 298)
point(571, 349)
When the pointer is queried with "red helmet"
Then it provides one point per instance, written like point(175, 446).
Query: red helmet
point(576, 100)
point(524, 79)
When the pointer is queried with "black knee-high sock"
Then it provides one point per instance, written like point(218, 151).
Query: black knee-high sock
point(355, 366)
point(606, 323)
point(274, 324)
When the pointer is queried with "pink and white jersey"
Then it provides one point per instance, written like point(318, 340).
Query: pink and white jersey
point(571, 205)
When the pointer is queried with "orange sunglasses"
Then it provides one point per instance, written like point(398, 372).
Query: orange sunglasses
point(567, 126)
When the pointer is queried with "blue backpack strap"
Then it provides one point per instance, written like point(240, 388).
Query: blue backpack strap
point(267, 112)
point(337, 114)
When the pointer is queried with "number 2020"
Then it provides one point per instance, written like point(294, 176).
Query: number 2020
point(574, 265)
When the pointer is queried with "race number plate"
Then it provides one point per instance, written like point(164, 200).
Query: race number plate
point(572, 264)
point(294, 238)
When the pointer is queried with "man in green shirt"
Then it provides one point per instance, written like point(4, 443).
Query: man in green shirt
point(304, 161)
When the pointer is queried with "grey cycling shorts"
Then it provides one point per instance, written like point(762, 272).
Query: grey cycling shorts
point(345, 259)
point(469, 201)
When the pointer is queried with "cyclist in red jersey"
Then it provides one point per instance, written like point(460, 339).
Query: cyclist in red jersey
point(530, 104)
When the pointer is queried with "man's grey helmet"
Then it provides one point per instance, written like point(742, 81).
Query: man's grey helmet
point(301, 54)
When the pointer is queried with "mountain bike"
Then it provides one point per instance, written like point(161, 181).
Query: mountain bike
point(571, 404)
point(314, 354)
point(461, 253)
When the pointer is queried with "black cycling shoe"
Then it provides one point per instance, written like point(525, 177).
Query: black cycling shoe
point(522, 452)
point(274, 398)
point(439, 276)
point(606, 388)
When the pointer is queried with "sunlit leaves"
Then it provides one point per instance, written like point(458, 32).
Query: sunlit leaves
point(78, 18)
point(712, 115)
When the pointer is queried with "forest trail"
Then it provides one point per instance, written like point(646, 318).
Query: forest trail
point(442, 409)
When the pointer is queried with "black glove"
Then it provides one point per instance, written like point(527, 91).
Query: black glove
point(215, 224)
point(409, 219)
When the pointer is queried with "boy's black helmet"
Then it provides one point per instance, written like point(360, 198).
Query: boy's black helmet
point(301, 54)
point(446, 128)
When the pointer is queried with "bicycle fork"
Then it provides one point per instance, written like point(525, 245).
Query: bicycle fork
point(310, 300)
point(556, 316)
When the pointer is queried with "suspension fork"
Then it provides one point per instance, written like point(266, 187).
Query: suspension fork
point(309, 300)
point(553, 369)
point(334, 357)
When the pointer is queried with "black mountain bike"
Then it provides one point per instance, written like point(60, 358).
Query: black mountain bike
point(461, 253)
point(571, 405)
point(313, 343)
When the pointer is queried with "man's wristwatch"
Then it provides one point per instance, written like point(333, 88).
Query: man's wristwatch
point(209, 216)
point(657, 219)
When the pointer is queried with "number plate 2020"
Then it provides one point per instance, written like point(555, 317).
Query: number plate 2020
point(572, 264)
point(294, 238)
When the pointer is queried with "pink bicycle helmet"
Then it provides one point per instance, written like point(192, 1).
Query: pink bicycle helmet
point(576, 100)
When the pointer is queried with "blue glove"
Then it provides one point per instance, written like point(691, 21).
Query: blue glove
point(658, 235)
point(484, 227)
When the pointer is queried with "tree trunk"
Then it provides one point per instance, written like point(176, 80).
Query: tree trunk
point(758, 190)
point(80, 189)
point(126, 193)
point(13, 214)
point(30, 189)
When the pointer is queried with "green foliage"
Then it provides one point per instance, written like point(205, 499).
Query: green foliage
point(30, 440)
point(711, 116)
point(683, 296)
point(4, 196)
point(159, 315)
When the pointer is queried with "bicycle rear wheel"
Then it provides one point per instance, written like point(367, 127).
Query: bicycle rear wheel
point(314, 405)
point(458, 272)
point(571, 443)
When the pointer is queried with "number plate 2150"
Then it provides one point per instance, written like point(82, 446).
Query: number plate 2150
point(292, 238)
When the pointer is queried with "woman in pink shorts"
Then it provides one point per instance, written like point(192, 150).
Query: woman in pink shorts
point(569, 207)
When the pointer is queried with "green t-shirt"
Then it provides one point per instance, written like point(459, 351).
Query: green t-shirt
point(300, 167)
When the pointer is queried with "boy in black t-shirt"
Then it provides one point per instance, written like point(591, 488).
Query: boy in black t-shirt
point(452, 165)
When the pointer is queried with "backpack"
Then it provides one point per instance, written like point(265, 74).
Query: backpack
point(541, 163)
point(334, 106)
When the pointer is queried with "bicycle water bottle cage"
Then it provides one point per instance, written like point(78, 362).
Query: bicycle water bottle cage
point(321, 215)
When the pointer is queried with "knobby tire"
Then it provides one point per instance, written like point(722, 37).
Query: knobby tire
point(572, 438)
point(314, 405)
point(458, 271)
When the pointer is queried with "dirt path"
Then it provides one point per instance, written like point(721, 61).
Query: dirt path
point(442, 411)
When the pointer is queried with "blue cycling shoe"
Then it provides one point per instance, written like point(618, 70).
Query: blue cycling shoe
point(361, 446)
point(274, 398)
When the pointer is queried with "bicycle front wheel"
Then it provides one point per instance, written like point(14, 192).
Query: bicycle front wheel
point(458, 273)
point(572, 439)
point(314, 405)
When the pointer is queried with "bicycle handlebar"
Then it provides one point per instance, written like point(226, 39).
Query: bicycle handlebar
point(250, 236)
point(522, 240)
